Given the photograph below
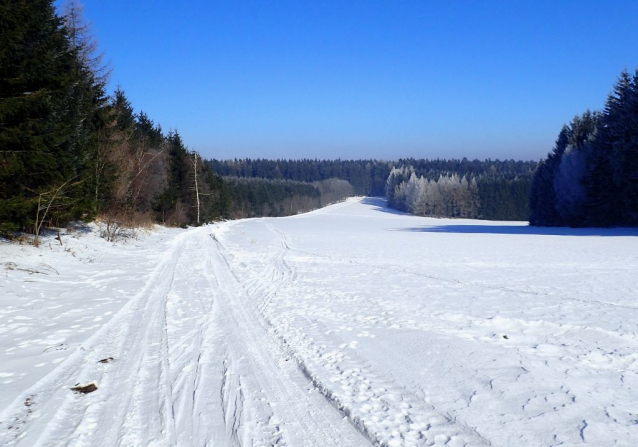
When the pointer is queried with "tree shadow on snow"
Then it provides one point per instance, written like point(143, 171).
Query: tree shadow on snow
point(522, 230)
point(382, 206)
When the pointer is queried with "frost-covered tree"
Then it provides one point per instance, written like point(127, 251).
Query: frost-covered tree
point(399, 196)
point(420, 197)
point(395, 193)
point(412, 191)
point(432, 199)
point(450, 195)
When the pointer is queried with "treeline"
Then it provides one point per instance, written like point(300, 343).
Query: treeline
point(493, 190)
point(367, 177)
point(504, 169)
point(501, 192)
point(256, 197)
point(147, 176)
point(68, 151)
point(591, 176)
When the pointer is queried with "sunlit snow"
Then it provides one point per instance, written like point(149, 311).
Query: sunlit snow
point(350, 325)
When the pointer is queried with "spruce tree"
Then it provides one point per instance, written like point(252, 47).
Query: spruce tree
point(611, 183)
point(36, 78)
point(542, 195)
point(86, 110)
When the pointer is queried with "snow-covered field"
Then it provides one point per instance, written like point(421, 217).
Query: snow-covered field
point(350, 325)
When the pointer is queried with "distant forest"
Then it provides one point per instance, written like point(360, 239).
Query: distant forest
point(489, 189)
point(367, 177)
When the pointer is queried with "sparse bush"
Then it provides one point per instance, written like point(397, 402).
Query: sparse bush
point(115, 226)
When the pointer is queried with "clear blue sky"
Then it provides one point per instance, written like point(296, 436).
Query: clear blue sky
point(366, 79)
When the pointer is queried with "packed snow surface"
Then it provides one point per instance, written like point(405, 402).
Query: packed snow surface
point(350, 325)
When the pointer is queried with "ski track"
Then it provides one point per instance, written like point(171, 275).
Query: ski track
point(193, 365)
point(289, 332)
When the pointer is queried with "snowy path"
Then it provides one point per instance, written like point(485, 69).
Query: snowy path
point(191, 366)
point(350, 325)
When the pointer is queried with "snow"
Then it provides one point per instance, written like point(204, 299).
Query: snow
point(349, 325)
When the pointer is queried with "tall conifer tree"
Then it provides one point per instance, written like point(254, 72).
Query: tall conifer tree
point(36, 77)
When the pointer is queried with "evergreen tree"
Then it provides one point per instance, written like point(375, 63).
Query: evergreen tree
point(86, 111)
point(36, 86)
point(591, 178)
point(572, 169)
point(608, 197)
point(620, 141)
point(542, 195)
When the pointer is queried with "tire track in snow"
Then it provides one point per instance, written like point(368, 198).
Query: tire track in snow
point(304, 416)
point(135, 338)
point(166, 385)
point(220, 401)
point(362, 395)
point(138, 407)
